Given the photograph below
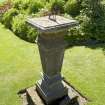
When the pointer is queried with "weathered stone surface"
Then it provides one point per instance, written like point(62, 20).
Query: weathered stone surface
point(51, 53)
point(24, 98)
point(51, 46)
point(73, 98)
point(52, 92)
point(46, 25)
point(33, 96)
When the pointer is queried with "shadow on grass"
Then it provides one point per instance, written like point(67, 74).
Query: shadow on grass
point(93, 44)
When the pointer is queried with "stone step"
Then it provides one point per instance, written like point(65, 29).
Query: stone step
point(73, 98)
point(33, 96)
point(24, 98)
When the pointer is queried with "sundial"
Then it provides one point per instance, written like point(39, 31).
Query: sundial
point(51, 46)
point(51, 88)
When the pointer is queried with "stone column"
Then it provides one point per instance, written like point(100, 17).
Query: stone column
point(51, 47)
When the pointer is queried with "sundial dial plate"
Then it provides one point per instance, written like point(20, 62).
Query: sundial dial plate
point(44, 23)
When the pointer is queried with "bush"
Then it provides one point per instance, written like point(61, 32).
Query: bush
point(19, 26)
point(35, 6)
point(17, 4)
point(25, 4)
point(73, 7)
point(94, 21)
point(21, 5)
point(59, 3)
point(8, 17)
point(22, 29)
point(31, 34)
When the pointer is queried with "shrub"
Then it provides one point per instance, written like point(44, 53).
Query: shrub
point(73, 7)
point(21, 5)
point(19, 26)
point(1, 16)
point(94, 22)
point(17, 4)
point(22, 29)
point(35, 6)
point(31, 34)
point(25, 4)
point(59, 3)
point(8, 17)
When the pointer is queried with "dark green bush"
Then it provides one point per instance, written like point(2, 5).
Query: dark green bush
point(93, 24)
point(73, 7)
point(8, 17)
point(1, 16)
point(75, 36)
point(22, 29)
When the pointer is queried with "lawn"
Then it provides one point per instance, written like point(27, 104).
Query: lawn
point(84, 68)
point(2, 1)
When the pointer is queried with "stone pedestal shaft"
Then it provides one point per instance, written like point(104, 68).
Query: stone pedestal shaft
point(51, 50)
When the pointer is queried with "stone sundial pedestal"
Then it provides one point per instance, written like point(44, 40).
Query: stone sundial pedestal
point(51, 46)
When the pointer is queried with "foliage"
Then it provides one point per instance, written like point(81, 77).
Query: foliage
point(22, 29)
point(94, 21)
point(35, 6)
point(20, 4)
point(14, 19)
point(59, 3)
point(8, 17)
point(31, 34)
point(89, 13)
point(19, 26)
point(73, 7)
point(28, 6)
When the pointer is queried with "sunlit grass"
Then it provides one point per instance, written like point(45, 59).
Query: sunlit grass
point(20, 65)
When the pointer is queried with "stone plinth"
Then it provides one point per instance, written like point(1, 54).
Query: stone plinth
point(51, 46)
point(31, 97)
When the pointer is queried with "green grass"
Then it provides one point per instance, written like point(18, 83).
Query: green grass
point(2, 1)
point(19, 66)
point(83, 67)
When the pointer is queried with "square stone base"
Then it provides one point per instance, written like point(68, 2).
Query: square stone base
point(31, 97)
point(51, 92)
